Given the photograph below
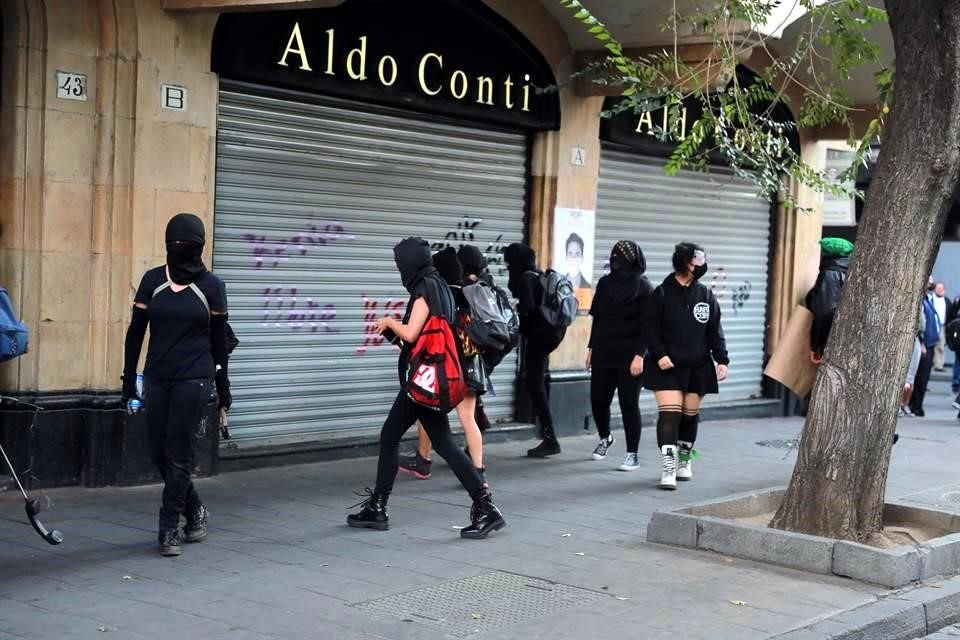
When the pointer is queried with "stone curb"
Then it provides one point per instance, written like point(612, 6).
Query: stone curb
point(710, 526)
point(907, 615)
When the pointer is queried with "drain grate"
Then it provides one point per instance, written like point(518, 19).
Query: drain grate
point(953, 496)
point(480, 603)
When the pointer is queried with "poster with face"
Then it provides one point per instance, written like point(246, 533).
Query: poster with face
point(573, 236)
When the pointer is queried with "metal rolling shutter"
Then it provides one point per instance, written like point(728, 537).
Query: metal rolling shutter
point(310, 199)
point(717, 210)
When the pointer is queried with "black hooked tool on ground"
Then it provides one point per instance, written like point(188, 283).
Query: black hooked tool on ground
point(33, 507)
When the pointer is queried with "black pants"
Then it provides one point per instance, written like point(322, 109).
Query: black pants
point(174, 410)
point(401, 417)
point(536, 366)
point(603, 382)
point(921, 381)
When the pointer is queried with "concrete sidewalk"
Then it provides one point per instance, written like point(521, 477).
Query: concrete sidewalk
point(280, 562)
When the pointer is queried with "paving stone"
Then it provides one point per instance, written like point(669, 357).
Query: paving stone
point(281, 564)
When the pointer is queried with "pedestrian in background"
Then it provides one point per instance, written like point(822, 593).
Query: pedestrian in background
point(540, 339)
point(185, 307)
point(915, 356)
point(940, 305)
point(824, 298)
point(616, 348)
point(686, 358)
point(931, 336)
point(953, 313)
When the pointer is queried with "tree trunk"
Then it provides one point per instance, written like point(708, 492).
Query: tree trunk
point(838, 484)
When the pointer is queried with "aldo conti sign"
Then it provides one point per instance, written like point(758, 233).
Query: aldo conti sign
point(452, 57)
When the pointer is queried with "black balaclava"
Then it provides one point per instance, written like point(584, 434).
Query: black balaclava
point(448, 266)
point(472, 260)
point(519, 258)
point(413, 261)
point(627, 266)
point(420, 278)
point(185, 237)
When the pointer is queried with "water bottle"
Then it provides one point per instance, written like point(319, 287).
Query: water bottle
point(135, 405)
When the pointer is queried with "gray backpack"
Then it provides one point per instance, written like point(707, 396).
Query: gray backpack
point(494, 326)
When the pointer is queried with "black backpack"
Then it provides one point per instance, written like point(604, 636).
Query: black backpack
point(558, 306)
point(951, 333)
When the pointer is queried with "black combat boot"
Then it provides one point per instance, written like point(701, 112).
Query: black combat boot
point(484, 518)
point(373, 514)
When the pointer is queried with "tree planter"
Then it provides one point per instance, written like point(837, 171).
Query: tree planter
point(727, 526)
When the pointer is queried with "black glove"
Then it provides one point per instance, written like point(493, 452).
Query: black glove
point(129, 388)
point(223, 390)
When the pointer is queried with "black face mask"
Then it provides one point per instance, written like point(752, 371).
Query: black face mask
point(699, 271)
point(618, 265)
point(185, 238)
point(412, 257)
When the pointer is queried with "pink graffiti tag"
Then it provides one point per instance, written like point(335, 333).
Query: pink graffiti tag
point(371, 339)
point(313, 317)
point(275, 252)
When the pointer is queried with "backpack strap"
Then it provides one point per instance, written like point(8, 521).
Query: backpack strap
point(192, 286)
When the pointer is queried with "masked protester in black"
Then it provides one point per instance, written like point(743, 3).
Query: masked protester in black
point(539, 339)
point(419, 463)
point(185, 307)
point(686, 357)
point(616, 347)
point(429, 295)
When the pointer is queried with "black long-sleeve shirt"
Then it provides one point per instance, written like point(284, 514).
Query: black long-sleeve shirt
point(617, 334)
point(185, 341)
point(684, 324)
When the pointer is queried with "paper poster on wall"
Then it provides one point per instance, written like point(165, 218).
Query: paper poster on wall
point(838, 210)
point(573, 235)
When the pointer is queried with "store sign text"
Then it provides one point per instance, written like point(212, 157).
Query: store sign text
point(357, 65)
point(645, 124)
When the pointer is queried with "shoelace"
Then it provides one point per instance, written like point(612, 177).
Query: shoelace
point(604, 446)
point(367, 494)
point(669, 463)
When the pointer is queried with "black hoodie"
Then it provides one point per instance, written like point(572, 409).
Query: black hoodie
point(823, 298)
point(619, 309)
point(525, 286)
point(421, 280)
point(684, 323)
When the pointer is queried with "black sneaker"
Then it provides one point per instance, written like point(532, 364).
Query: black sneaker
point(545, 449)
point(600, 453)
point(196, 529)
point(417, 466)
point(170, 541)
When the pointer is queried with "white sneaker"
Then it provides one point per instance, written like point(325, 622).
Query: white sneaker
point(685, 461)
point(600, 453)
point(630, 463)
point(668, 480)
